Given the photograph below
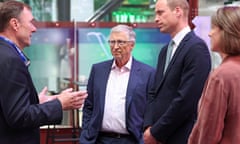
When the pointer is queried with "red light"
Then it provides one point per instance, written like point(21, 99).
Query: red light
point(93, 24)
point(134, 25)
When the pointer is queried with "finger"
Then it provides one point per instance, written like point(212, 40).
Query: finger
point(67, 90)
point(79, 102)
point(77, 106)
point(81, 99)
point(78, 99)
point(80, 94)
point(44, 91)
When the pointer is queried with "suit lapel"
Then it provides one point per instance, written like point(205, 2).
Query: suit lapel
point(104, 73)
point(178, 51)
point(132, 83)
point(174, 58)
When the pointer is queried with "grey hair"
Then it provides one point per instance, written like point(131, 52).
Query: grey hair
point(127, 29)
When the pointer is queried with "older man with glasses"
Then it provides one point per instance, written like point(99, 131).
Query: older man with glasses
point(117, 94)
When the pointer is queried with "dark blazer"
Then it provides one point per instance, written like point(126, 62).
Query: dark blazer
point(140, 81)
point(20, 114)
point(172, 105)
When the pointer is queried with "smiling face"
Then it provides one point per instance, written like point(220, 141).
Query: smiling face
point(24, 28)
point(121, 47)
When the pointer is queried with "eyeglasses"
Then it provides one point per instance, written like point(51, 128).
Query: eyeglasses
point(119, 42)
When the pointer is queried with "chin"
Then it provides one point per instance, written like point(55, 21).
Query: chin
point(118, 58)
point(27, 45)
point(163, 30)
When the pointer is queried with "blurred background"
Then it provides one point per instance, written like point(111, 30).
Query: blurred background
point(72, 35)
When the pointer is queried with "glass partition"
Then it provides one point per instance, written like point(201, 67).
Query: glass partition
point(62, 53)
point(93, 47)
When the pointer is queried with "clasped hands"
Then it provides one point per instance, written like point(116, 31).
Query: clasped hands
point(68, 98)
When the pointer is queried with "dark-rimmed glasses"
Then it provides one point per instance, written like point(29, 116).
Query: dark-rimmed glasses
point(118, 42)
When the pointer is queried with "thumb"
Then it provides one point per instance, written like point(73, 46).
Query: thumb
point(44, 91)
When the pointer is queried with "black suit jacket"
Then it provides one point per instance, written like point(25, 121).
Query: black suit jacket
point(140, 82)
point(20, 113)
point(172, 106)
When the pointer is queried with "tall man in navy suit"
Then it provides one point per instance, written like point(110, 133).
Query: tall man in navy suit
point(172, 106)
point(21, 110)
point(117, 94)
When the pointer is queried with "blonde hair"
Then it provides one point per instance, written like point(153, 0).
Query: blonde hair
point(227, 19)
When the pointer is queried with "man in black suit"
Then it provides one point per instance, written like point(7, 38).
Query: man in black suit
point(172, 106)
point(21, 110)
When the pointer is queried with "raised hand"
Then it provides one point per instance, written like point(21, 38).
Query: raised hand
point(72, 99)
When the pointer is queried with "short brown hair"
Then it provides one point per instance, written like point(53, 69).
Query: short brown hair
point(183, 4)
point(10, 9)
point(227, 19)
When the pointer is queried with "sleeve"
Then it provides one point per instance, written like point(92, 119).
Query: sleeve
point(19, 99)
point(212, 110)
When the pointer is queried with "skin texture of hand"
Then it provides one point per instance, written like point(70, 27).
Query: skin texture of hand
point(148, 138)
point(72, 99)
point(44, 97)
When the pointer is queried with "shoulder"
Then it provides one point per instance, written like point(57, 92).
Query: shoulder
point(191, 37)
point(5, 49)
point(143, 65)
point(103, 63)
point(8, 56)
point(229, 69)
point(195, 46)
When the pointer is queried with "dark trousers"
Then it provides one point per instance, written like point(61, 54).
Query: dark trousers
point(112, 140)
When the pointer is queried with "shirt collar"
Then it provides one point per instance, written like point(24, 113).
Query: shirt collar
point(180, 35)
point(127, 65)
point(21, 54)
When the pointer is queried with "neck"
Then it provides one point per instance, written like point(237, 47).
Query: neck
point(120, 63)
point(11, 38)
point(180, 27)
point(223, 55)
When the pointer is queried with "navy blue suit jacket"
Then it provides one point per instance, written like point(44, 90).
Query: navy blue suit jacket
point(140, 81)
point(20, 114)
point(172, 105)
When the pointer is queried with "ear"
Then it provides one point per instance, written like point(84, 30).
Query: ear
point(14, 23)
point(178, 11)
point(132, 45)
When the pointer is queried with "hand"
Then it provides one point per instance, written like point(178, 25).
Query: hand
point(72, 99)
point(148, 138)
point(43, 97)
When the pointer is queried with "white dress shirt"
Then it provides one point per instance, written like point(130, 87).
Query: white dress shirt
point(179, 37)
point(114, 118)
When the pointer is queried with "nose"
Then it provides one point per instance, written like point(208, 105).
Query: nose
point(156, 19)
point(115, 46)
point(210, 33)
point(34, 28)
